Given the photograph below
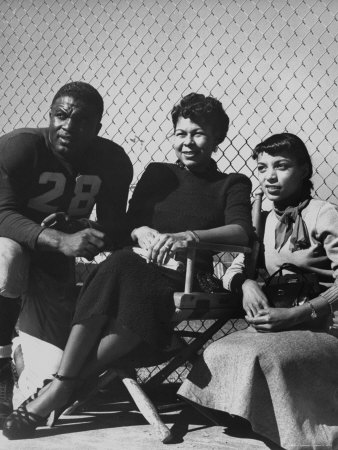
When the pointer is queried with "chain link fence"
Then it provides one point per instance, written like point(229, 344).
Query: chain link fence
point(272, 63)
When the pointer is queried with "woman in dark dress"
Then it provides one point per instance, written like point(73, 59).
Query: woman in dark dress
point(127, 301)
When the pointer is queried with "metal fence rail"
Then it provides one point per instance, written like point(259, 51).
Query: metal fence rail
point(272, 63)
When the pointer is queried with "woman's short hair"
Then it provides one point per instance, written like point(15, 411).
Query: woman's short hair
point(82, 91)
point(292, 144)
point(204, 110)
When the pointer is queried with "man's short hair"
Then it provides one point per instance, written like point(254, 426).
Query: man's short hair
point(85, 92)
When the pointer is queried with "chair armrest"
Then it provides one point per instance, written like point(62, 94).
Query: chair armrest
point(202, 306)
point(191, 255)
point(219, 247)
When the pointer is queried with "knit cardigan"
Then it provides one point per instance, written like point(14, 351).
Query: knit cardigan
point(321, 219)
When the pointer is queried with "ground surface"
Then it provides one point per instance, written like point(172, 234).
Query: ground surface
point(111, 422)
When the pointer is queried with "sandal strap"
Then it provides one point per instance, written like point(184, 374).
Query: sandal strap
point(64, 377)
point(35, 394)
point(29, 418)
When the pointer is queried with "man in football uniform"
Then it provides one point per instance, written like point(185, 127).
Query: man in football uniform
point(61, 171)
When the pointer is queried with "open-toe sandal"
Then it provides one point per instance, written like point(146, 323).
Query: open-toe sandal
point(21, 424)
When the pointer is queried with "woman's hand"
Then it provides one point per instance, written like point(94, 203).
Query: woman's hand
point(274, 319)
point(254, 298)
point(166, 245)
point(335, 320)
point(144, 236)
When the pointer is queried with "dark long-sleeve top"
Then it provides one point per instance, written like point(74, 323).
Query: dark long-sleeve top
point(171, 199)
point(35, 182)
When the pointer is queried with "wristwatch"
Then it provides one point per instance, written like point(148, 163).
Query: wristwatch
point(314, 314)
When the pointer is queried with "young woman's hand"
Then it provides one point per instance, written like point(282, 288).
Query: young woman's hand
point(166, 245)
point(274, 319)
point(335, 320)
point(254, 298)
point(144, 236)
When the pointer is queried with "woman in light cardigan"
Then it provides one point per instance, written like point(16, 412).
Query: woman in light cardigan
point(285, 383)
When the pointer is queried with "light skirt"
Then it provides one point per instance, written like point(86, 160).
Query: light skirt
point(284, 383)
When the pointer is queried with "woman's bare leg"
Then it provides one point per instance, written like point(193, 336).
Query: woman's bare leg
point(117, 342)
point(83, 357)
point(82, 340)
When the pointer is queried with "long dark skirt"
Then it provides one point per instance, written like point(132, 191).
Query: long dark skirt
point(137, 294)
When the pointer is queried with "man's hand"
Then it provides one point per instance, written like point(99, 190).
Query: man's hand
point(254, 298)
point(62, 222)
point(85, 243)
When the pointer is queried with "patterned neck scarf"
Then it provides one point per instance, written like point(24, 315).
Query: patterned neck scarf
point(290, 223)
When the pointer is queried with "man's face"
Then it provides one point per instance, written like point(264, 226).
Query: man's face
point(73, 125)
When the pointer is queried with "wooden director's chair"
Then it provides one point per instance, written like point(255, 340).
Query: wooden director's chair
point(219, 307)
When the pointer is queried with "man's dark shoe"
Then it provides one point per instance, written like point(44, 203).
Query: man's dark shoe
point(6, 389)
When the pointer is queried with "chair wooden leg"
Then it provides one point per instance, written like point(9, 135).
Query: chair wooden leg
point(146, 407)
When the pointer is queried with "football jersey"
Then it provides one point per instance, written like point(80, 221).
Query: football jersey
point(36, 182)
